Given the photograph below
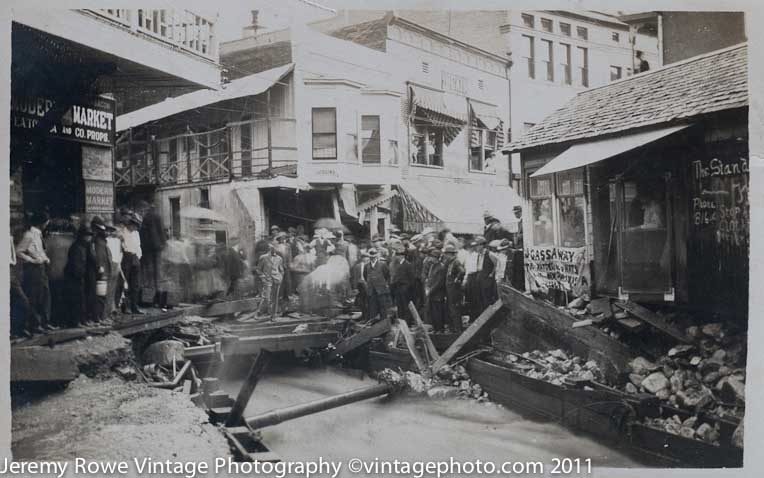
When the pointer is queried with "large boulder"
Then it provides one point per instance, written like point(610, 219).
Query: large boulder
point(655, 382)
point(694, 397)
point(733, 389)
point(162, 353)
point(642, 366)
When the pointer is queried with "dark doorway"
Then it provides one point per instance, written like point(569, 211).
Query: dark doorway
point(175, 217)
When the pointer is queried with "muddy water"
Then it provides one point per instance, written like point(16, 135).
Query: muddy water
point(409, 428)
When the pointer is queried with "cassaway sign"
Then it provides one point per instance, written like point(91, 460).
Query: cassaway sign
point(84, 122)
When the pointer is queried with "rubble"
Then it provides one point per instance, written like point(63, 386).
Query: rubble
point(450, 382)
point(164, 353)
point(554, 366)
point(690, 428)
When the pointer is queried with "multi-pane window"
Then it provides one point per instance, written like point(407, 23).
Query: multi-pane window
point(371, 151)
point(565, 63)
point(427, 145)
point(570, 197)
point(615, 36)
point(324, 133)
point(541, 210)
point(583, 66)
point(547, 58)
point(528, 20)
point(483, 153)
point(582, 33)
point(529, 54)
point(616, 73)
point(565, 29)
point(546, 25)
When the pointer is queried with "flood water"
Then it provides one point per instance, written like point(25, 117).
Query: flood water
point(409, 428)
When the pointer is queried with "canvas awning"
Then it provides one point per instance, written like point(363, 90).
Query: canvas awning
point(487, 114)
point(377, 200)
point(583, 154)
point(444, 108)
point(247, 86)
point(458, 207)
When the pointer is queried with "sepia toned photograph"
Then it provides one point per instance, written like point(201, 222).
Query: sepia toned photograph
point(300, 239)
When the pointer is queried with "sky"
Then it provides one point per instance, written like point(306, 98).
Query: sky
point(274, 15)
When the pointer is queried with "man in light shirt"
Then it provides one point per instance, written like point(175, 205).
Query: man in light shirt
point(129, 232)
point(31, 250)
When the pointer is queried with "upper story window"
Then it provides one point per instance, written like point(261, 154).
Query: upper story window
point(371, 151)
point(547, 58)
point(528, 20)
point(484, 145)
point(615, 36)
point(427, 145)
point(529, 54)
point(324, 122)
point(565, 28)
point(541, 210)
point(583, 66)
point(582, 33)
point(616, 73)
point(547, 25)
point(565, 64)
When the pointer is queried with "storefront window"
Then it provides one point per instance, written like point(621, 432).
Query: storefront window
point(427, 145)
point(324, 133)
point(370, 146)
point(541, 208)
point(570, 194)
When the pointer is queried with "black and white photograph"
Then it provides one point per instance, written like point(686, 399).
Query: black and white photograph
point(321, 238)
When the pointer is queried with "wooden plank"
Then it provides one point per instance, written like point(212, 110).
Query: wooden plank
point(42, 364)
point(272, 343)
point(467, 335)
point(411, 345)
point(582, 323)
point(149, 322)
point(287, 328)
point(653, 319)
point(247, 389)
point(53, 337)
point(427, 340)
point(363, 336)
point(224, 308)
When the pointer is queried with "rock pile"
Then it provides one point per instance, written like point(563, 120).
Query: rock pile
point(449, 382)
point(691, 428)
point(554, 366)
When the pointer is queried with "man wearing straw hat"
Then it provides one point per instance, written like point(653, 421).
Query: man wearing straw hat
point(270, 270)
point(377, 278)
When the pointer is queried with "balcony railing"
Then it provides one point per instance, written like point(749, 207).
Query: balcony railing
point(183, 29)
point(238, 150)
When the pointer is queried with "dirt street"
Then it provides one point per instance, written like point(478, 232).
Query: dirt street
point(409, 427)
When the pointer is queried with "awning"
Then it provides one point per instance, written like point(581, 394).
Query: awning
point(486, 114)
point(458, 207)
point(247, 86)
point(447, 108)
point(583, 154)
point(377, 200)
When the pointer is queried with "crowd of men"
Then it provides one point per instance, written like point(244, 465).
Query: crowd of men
point(446, 278)
point(102, 270)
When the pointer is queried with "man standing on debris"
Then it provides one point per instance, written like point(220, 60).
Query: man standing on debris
point(270, 270)
point(435, 292)
point(131, 259)
point(454, 292)
point(402, 282)
point(99, 270)
point(75, 273)
point(358, 283)
point(285, 251)
point(31, 250)
point(377, 278)
point(153, 239)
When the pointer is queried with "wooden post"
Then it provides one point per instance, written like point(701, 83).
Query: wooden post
point(130, 156)
point(236, 415)
point(188, 158)
point(467, 335)
point(427, 340)
point(411, 345)
point(154, 157)
point(268, 126)
point(229, 161)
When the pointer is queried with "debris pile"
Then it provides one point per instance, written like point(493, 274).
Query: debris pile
point(449, 382)
point(194, 330)
point(692, 428)
point(553, 366)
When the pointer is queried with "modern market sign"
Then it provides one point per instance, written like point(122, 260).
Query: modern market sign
point(564, 269)
point(84, 122)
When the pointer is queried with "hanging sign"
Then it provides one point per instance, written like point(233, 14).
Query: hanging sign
point(564, 269)
point(91, 122)
point(99, 196)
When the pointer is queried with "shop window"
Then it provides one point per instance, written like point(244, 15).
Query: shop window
point(324, 122)
point(530, 55)
point(541, 210)
point(616, 72)
point(570, 197)
point(547, 52)
point(546, 25)
point(370, 140)
point(427, 145)
point(528, 20)
point(483, 152)
point(565, 29)
point(565, 63)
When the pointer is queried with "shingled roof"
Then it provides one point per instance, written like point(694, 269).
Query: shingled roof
point(673, 94)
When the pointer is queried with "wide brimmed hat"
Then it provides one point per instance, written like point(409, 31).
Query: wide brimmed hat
point(479, 240)
point(84, 230)
point(97, 223)
point(450, 249)
point(373, 253)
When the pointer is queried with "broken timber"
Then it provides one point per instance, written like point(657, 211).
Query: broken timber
point(247, 389)
point(363, 336)
point(408, 337)
point(654, 320)
point(467, 335)
point(427, 340)
point(271, 343)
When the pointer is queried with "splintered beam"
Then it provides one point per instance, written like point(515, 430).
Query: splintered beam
point(271, 343)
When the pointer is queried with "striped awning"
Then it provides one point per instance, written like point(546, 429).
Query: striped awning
point(377, 200)
point(439, 109)
point(485, 116)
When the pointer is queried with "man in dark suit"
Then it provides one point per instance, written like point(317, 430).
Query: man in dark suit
point(358, 283)
point(454, 291)
point(402, 283)
point(377, 277)
point(435, 292)
point(153, 240)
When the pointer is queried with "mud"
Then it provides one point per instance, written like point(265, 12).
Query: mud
point(109, 419)
point(410, 427)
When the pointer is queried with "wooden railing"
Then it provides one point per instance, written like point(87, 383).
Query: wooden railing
point(184, 29)
point(221, 154)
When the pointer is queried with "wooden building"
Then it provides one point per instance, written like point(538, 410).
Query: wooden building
point(639, 189)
